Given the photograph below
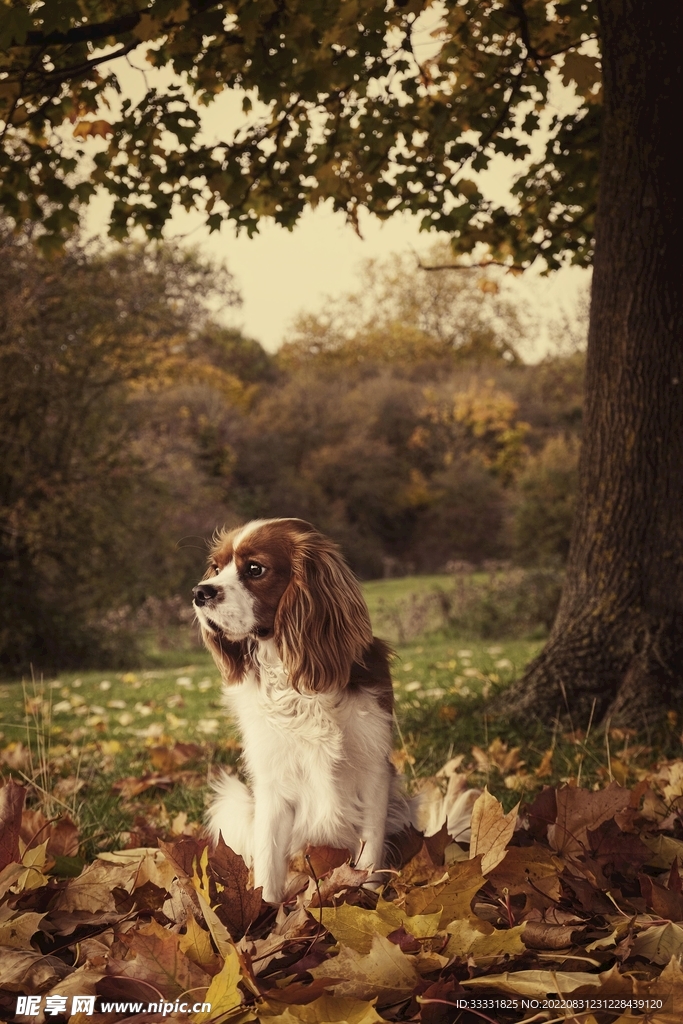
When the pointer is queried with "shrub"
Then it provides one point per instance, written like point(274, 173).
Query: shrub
point(544, 513)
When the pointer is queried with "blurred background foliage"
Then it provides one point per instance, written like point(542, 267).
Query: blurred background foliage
point(403, 421)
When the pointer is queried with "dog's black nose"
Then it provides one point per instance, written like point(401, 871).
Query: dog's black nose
point(203, 593)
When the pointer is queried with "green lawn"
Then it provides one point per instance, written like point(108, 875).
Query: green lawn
point(121, 750)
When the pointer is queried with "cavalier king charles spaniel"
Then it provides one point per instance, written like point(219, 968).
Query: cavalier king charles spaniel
point(309, 686)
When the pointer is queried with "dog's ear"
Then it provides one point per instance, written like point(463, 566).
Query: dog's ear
point(322, 625)
point(230, 656)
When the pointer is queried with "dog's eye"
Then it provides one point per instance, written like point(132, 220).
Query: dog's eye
point(216, 569)
point(255, 570)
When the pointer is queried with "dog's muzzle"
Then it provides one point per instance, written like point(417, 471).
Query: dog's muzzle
point(204, 593)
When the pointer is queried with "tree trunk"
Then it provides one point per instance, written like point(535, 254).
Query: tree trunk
point(618, 636)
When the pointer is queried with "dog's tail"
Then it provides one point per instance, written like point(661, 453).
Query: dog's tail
point(231, 815)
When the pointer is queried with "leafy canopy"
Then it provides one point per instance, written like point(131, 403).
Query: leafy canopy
point(342, 100)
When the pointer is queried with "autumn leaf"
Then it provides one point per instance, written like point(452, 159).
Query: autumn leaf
point(22, 970)
point(524, 865)
point(453, 897)
point(196, 945)
point(385, 973)
point(223, 993)
point(659, 943)
point(235, 903)
point(538, 984)
point(355, 927)
point(330, 1010)
point(152, 954)
point(579, 810)
point(17, 929)
point(482, 941)
point(491, 831)
point(93, 889)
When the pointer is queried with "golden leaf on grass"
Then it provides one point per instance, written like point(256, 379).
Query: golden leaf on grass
point(482, 941)
point(330, 1010)
point(355, 927)
point(453, 897)
point(223, 993)
point(491, 831)
point(196, 945)
point(385, 973)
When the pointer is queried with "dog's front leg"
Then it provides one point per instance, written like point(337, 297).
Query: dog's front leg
point(273, 822)
point(375, 801)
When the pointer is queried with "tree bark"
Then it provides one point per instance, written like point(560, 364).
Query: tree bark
point(618, 637)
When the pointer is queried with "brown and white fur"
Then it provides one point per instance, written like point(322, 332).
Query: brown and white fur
point(309, 685)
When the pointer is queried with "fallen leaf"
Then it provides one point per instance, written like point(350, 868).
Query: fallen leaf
point(153, 955)
point(355, 927)
point(523, 865)
point(330, 1010)
point(537, 984)
point(196, 945)
point(491, 830)
point(22, 970)
point(223, 993)
point(17, 929)
point(482, 941)
point(579, 810)
point(385, 973)
point(659, 943)
point(453, 897)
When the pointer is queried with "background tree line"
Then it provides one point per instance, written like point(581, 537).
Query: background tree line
point(403, 422)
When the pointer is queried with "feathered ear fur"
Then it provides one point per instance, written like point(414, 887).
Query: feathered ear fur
point(230, 656)
point(322, 625)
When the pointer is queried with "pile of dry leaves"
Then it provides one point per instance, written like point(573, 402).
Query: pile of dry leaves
point(568, 908)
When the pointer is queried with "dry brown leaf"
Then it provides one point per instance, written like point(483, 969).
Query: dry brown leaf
point(152, 954)
point(385, 973)
point(537, 984)
point(491, 831)
point(482, 941)
point(23, 969)
point(523, 865)
point(321, 860)
point(93, 889)
point(328, 1009)
point(17, 929)
point(453, 897)
point(234, 902)
point(659, 943)
point(579, 810)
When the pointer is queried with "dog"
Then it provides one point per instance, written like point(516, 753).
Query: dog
point(287, 625)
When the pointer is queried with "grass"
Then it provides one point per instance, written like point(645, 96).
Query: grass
point(131, 751)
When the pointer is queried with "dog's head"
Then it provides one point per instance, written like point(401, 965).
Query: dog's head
point(281, 580)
